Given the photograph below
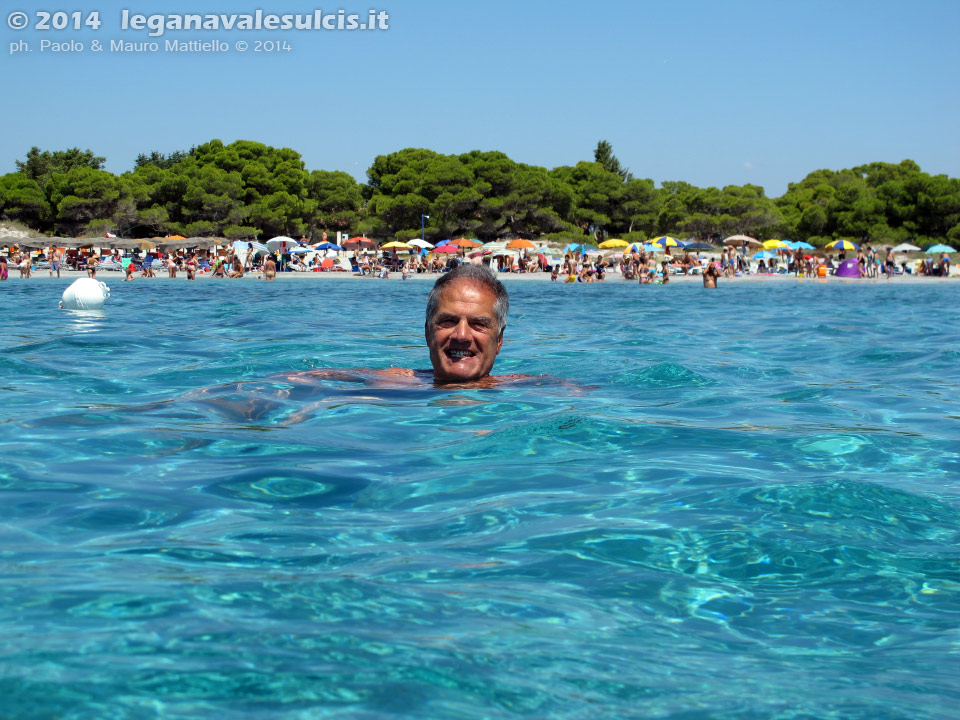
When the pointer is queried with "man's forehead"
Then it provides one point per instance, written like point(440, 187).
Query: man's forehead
point(467, 286)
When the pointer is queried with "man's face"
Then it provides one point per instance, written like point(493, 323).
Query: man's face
point(462, 335)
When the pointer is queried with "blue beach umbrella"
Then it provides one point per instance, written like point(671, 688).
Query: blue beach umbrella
point(799, 245)
point(764, 255)
point(939, 249)
point(584, 249)
point(328, 246)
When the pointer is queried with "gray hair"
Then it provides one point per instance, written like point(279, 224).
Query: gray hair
point(479, 274)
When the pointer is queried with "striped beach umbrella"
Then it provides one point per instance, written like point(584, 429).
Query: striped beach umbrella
point(842, 245)
point(666, 241)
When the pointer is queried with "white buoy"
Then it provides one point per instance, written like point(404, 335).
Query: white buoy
point(85, 294)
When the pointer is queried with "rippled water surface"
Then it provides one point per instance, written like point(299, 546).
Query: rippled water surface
point(740, 504)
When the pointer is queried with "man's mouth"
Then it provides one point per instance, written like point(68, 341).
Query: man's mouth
point(459, 354)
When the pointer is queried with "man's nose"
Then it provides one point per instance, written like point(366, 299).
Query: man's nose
point(462, 330)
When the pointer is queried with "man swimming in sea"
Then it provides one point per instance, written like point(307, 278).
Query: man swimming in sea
point(465, 321)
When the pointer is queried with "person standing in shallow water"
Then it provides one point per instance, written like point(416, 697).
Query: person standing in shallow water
point(710, 276)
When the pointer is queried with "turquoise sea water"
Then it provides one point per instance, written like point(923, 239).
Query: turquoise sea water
point(744, 503)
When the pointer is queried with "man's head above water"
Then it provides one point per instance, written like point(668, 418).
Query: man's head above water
point(466, 317)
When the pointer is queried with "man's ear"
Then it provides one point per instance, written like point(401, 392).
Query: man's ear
point(500, 338)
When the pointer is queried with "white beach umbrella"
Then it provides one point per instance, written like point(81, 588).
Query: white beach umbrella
point(281, 242)
point(420, 243)
point(906, 247)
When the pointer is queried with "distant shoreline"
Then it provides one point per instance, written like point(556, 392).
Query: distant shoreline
point(114, 277)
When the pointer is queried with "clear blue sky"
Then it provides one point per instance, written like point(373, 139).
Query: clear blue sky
point(713, 93)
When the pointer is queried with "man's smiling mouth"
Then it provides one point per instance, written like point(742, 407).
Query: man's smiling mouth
point(458, 354)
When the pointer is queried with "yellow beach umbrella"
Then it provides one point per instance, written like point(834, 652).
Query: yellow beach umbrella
point(614, 243)
point(395, 244)
point(775, 245)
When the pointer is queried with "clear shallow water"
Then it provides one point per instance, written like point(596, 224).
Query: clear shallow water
point(747, 506)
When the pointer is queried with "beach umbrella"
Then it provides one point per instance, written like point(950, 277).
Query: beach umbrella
point(101, 241)
point(741, 240)
point(697, 245)
point(521, 244)
point(326, 246)
point(446, 249)
point(842, 245)
point(799, 244)
point(33, 243)
point(764, 255)
point(587, 248)
point(420, 243)
point(122, 243)
point(906, 247)
point(281, 243)
point(465, 243)
point(614, 243)
point(775, 245)
point(303, 250)
point(939, 249)
point(395, 245)
point(257, 247)
point(666, 241)
point(356, 243)
point(199, 242)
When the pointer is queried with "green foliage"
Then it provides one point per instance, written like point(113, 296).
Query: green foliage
point(247, 189)
point(81, 195)
point(21, 198)
point(42, 165)
point(240, 232)
point(100, 227)
point(603, 154)
point(160, 160)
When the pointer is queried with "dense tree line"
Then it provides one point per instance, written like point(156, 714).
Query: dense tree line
point(250, 189)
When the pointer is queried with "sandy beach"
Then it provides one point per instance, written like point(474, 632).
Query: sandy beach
point(112, 277)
